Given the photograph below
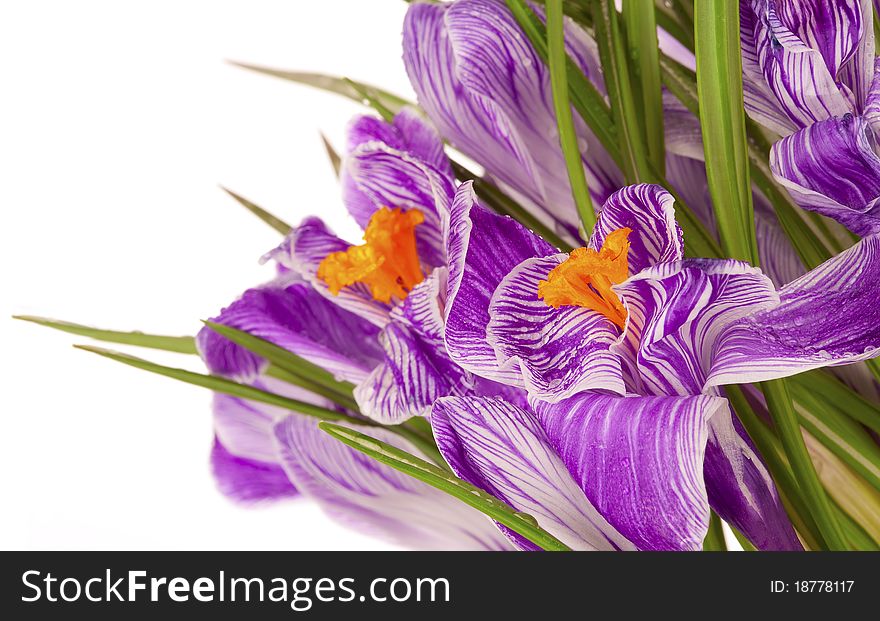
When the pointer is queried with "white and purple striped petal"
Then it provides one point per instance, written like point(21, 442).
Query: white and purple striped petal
point(832, 168)
point(484, 86)
point(649, 211)
point(677, 315)
point(555, 352)
point(482, 249)
point(362, 493)
point(416, 370)
point(812, 54)
point(677, 312)
point(302, 252)
point(290, 314)
point(503, 449)
point(741, 489)
point(399, 164)
point(827, 317)
point(639, 460)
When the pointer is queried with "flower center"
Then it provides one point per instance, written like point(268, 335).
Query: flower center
point(586, 277)
point(388, 263)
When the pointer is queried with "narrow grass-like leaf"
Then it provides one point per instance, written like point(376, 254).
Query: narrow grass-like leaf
point(788, 428)
point(743, 541)
point(275, 222)
point(229, 387)
point(568, 139)
point(769, 448)
point(415, 467)
point(674, 19)
point(332, 155)
point(341, 86)
point(838, 395)
point(641, 36)
point(176, 344)
point(618, 82)
point(840, 435)
point(591, 106)
point(586, 99)
point(218, 384)
point(719, 86)
point(321, 382)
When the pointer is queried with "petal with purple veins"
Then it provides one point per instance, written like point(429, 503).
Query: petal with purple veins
point(246, 480)
point(482, 249)
point(639, 461)
point(556, 353)
point(503, 450)
point(372, 497)
point(801, 48)
point(302, 252)
point(649, 211)
point(290, 314)
point(827, 317)
point(677, 312)
point(832, 168)
point(488, 92)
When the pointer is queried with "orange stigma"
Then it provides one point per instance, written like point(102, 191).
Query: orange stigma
point(586, 277)
point(388, 263)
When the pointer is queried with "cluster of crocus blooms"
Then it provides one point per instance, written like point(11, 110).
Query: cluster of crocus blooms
point(585, 386)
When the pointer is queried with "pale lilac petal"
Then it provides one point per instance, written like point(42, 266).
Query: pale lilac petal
point(682, 133)
point(688, 177)
point(556, 353)
point(482, 248)
point(801, 48)
point(640, 462)
point(832, 168)
point(244, 427)
point(779, 261)
point(290, 314)
point(302, 252)
point(502, 449)
point(827, 317)
point(483, 85)
point(369, 496)
point(246, 480)
point(649, 211)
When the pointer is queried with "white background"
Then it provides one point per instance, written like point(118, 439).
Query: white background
point(118, 120)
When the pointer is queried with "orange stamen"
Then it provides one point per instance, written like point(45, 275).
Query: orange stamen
point(388, 263)
point(586, 277)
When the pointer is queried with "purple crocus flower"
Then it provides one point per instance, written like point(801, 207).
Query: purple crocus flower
point(689, 327)
point(809, 75)
point(384, 347)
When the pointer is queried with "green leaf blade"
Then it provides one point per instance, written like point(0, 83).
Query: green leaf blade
point(175, 344)
point(568, 139)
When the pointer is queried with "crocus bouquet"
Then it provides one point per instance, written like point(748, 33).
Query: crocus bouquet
point(652, 308)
